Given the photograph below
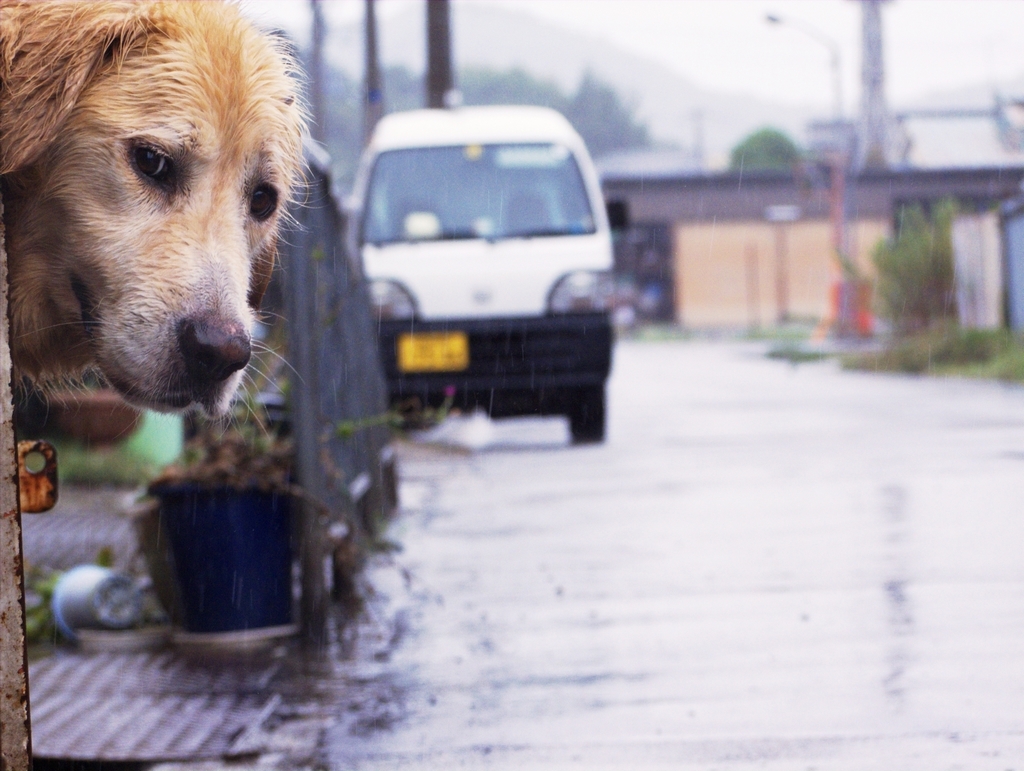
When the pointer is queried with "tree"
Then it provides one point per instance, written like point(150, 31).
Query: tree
point(605, 122)
point(765, 149)
point(485, 86)
point(596, 110)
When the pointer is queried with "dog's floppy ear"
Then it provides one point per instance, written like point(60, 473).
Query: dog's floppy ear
point(49, 51)
point(262, 270)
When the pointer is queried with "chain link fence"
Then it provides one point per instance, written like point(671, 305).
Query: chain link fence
point(337, 395)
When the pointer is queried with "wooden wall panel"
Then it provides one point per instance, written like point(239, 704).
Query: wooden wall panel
point(754, 273)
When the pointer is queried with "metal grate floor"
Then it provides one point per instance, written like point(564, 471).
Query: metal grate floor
point(148, 706)
point(83, 522)
point(176, 705)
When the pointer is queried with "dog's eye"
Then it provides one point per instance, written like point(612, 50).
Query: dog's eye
point(263, 202)
point(152, 163)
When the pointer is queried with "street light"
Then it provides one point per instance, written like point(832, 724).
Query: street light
point(829, 43)
point(843, 318)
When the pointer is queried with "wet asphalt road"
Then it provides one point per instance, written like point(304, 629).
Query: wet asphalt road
point(765, 566)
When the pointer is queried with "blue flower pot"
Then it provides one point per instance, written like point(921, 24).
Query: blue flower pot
point(232, 556)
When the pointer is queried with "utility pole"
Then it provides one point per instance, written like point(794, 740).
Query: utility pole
point(373, 103)
point(440, 83)
point(874, 112)
point(317, 75)
point(314, 603)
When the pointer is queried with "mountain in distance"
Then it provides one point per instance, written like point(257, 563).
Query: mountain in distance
point(502, 39)
point(499, 38)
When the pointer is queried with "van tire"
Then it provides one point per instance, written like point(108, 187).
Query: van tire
point(587, 416)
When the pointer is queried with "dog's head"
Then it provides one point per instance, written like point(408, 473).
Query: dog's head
point(148, 150)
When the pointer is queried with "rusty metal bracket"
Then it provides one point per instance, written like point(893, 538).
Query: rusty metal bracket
point(37, 476)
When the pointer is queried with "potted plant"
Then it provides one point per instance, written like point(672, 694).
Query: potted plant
point(225, 512)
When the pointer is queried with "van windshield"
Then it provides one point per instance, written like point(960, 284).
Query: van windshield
point(476, 191)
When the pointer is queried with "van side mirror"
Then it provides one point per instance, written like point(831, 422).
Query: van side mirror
point(618, 215)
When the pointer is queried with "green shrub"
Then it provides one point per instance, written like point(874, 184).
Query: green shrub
point(915, 270)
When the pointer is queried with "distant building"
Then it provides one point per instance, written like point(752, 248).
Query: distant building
point(633, 164)
point(731, 250)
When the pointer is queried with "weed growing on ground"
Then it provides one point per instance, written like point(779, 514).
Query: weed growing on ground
point(996, 354)
point(794, 353)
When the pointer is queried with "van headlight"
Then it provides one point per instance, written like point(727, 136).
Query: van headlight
point(583, 291)
point(391, 301)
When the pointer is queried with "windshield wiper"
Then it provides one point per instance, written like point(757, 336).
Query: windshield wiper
point(466, 235)
point(456, 235)
point(452, 235)
point(543, 233)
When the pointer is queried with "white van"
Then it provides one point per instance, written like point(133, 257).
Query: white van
point(486, 245)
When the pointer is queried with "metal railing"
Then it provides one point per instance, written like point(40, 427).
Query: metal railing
point(343, 459)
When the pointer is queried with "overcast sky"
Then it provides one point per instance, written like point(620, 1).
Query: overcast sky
point(930, 45)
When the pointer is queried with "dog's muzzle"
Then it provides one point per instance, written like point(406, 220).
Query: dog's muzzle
point(213, 349)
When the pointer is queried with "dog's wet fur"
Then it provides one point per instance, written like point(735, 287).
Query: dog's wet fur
point(147, 153)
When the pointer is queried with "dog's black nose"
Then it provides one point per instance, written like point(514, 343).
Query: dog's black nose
point(213, 350)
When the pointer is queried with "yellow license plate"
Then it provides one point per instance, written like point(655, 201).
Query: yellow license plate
point(433, 352)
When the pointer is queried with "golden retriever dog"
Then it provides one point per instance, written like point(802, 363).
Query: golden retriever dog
point(147, 150)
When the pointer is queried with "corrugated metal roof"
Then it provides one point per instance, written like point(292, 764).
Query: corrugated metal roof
point(148, 706)
point(648, 163)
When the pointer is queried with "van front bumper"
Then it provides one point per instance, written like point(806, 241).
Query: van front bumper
point(517, 366)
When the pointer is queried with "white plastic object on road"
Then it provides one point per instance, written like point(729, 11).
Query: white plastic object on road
point(94, 597)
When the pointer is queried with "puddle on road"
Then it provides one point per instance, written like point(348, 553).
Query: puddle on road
point(899, 618)
point(335, 699)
